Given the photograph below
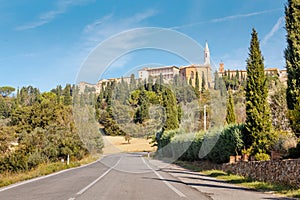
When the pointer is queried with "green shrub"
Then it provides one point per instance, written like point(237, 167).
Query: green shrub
point(187, 146)
point(229, 143)
point(162, 139)
point(216, 145)
point(261, 156)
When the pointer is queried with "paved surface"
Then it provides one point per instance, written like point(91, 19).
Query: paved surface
point(216, 189)
point(128, 177)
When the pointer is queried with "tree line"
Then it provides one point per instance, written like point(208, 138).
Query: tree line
point(272, 114)
point(39, 127)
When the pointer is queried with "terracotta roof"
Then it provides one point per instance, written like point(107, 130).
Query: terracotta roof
point(194, 65)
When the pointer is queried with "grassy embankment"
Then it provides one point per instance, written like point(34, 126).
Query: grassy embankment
point(243, 181)
point(113, 144)
point(43, 169)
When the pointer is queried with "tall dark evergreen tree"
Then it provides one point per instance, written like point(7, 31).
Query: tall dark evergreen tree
point(132, 82)
point(258, 124)
point(292, 56)
point(197, 83)
point(292, 52)
point(18, 97)
point(230, 115)
point(150, 83)
point(203, 83)
point(190, 81)
point(67, 95)
point(142, 112)
point(217, 81)
point(170, 104)
point(161, 80)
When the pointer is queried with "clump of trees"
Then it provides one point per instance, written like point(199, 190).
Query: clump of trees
point(39, 128)
point(269, 113)
point(142, 107)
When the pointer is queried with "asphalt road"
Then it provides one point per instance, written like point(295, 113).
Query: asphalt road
point(121, 176)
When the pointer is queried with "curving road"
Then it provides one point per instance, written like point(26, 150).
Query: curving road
point(127, 176)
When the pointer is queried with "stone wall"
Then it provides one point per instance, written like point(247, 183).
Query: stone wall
point(275, 171)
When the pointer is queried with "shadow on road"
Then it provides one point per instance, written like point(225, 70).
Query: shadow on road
point(279, 198)
point(203, 184)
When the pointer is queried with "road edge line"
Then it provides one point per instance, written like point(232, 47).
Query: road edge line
point(163, 179)
point(47, 176)
point(100, 177)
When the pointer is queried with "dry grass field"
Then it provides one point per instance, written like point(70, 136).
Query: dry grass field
point(117, 144)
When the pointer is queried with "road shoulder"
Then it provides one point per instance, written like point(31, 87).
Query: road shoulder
point(212, 187)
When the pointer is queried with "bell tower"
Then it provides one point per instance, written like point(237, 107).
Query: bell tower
point(206, 54)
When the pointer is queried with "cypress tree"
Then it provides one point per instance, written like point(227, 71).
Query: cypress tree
point(18, 97)
point(292, 52)
point(67, 95)
point(170, 104)
point(230, 115)
point(142, 112)
point(203, 83)
point(292, 57)
point(228, 74)
point(237, 75)
point(197, 86)
point(150, 83)
point(132, 85)
point(217, 81)
point(222, 87)
point(258, 124)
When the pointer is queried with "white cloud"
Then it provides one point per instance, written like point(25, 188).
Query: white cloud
point(227, 18)
point(100, 30)
point(275, 28)
point(108, 25)
point(91, 27)
point(45, 18)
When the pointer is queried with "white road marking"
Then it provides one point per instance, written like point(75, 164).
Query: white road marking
point(100, 177)
point(71, 199)
point(46, 176)
point(163, 179)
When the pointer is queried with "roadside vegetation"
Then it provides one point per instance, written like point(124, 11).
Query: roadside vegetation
point(38, 130)
point(209, 170)
point(262, 113)
point(8, 178)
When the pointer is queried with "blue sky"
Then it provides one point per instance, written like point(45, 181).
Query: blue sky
point(44, 43)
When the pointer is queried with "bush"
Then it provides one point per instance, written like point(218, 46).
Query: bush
point(216, 145)
point(285, 141)
point(187, 146)
point(261, 156)
point(162, 139)
point(229, 143)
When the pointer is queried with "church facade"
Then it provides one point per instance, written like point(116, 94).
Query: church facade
point(187, 73)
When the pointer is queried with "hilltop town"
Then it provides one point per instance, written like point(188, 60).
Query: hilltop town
point(187, 73)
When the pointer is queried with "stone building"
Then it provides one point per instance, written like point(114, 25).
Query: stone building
point(282, 74)
point(168, 72)
point(185, 72)
point(189, 72)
